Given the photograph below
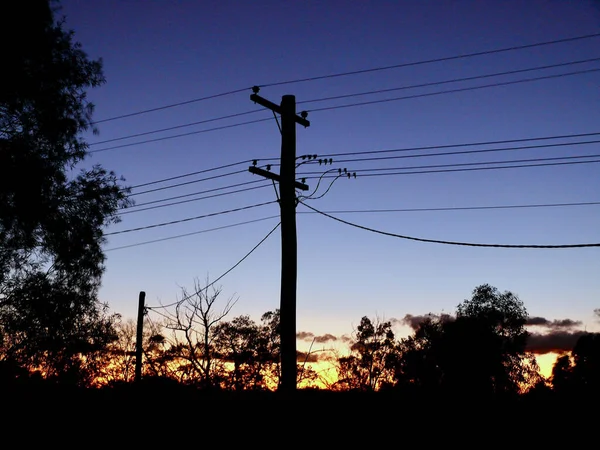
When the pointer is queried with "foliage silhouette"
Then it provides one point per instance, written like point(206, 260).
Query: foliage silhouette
point(481, 352)
point(578, 374)
point(367, 367)
point(51, 222)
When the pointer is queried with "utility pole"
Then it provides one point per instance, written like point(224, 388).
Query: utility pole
point(139, 337)
point(287, 203)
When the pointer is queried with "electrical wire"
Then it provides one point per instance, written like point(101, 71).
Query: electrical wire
point(468, 144)
point(180, 135)
point(436, 241)
point(457, 208)
point(179, 302)
point(463, 152)
point(214, 177)
point(137, 244)
point(188, 219)
point(469, 169)
point(127, 211)
point(433, 60)
point(454, 80)
point(452, 91)
point(432, 166)
point(337, 97)
point(153, 202)
point(189, 174)
point(367, 211)
point(354, 72)
point(176, 127)
point(172, 105)
point(350, 105)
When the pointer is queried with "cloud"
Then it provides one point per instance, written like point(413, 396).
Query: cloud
point(558, 341)
point(305, 335)
point(325, 338)
point(415, 321)
point(314, 356)
point(554, 324)
point(310, 337)
point(597, 313)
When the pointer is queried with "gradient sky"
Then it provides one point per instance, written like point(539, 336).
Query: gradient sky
point(158, 53)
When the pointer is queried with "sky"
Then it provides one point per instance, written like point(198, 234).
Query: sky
point(160, 53)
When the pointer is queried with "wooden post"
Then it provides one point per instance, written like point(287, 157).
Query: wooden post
point(139, 337)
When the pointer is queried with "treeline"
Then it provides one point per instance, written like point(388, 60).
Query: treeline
point(478, 352)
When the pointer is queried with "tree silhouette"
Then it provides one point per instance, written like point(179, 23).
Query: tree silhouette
point(239, 343)
point(480, 352)
point(367, 367)
point(586, 367)
point(192, 327)
point(51, 223)
point(579, 373)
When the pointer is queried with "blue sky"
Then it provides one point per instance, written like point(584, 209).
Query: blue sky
point(158, 53)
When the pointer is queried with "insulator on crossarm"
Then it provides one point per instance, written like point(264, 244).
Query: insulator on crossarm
point(254, 162)
point(330, 161)
point(340, 171)
point(354, 174)
point(268, 167)
point(345, 170)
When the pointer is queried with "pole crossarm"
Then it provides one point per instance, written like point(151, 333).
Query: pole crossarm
point(301, 120)
point(275, 177)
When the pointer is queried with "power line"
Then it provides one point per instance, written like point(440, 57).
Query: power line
point(193, 193)
point(460, 152)
point(193, 200)
point(329, 108)
point(189, 174)
point(431, 147)
point(469, 144)
point(457, 208)
point(172, 105)
point(434, 60)
point(436, 241)
point(176, 127)
point(354, 72)
point(451, 91)
point(137, 244)
point(225, 273)
point(214, 177)
point(180, 135)
point(367, 211)
point(188, 219)
point(432, 166)
point(470, 169)
point(436, 83)
point(454, 80)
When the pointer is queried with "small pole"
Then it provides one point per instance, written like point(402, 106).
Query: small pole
point(139, 337)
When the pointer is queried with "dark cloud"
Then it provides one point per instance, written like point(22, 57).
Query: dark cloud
point(307, 357)
point(305, 335)
point(415, 321)
point(310, 337)
point(554, 324)
point(557, 341)
point(325, 338)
